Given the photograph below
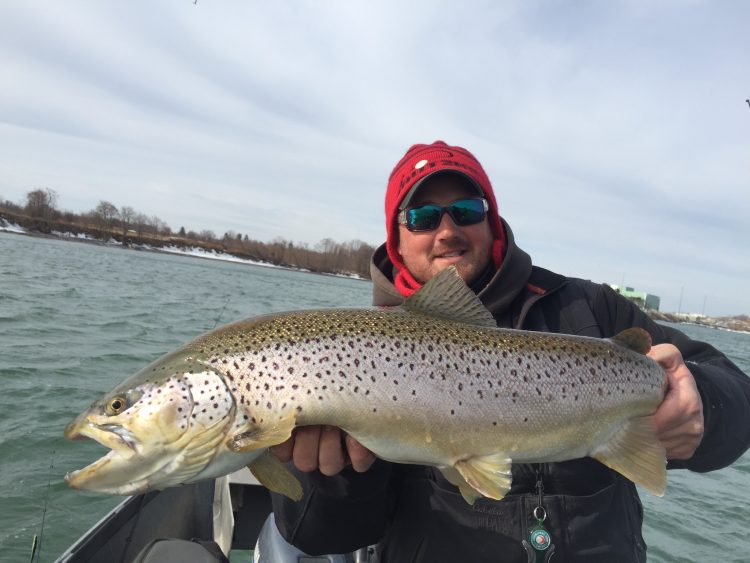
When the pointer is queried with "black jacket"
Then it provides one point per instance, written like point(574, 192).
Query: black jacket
point(593, 513)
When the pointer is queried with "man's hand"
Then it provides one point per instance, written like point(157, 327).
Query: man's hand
point(679, 418)
point(321, 447)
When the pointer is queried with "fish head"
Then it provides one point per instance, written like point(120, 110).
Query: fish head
point(163, 426)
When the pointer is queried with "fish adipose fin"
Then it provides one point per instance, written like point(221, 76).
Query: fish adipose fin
point(487, 476)
point(447, 296)
point(635, 452)
point(263, 436)
point(274, 476)
point(634, 338)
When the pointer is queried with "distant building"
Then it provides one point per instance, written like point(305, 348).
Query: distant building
point(644, 300)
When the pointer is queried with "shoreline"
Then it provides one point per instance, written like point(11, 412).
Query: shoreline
point(738, 323)
point(189, 252)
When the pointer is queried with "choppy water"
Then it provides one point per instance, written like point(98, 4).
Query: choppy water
point(76, 318)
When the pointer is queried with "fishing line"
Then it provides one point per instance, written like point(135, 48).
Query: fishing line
point(216, 322)
point(136, 518)
point(36, 545)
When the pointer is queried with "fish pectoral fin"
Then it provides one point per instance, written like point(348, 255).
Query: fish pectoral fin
point(487, 475)
point(264, 436)
point(635, 452)
point(274, 476)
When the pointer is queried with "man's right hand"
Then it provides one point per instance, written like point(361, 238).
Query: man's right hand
point(322, 447)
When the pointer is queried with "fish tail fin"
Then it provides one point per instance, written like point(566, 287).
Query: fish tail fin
point(635, 452)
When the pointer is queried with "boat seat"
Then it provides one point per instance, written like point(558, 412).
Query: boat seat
point(169, 550)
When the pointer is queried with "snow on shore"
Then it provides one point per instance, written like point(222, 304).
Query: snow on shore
point(198, 252)
point(11, 227)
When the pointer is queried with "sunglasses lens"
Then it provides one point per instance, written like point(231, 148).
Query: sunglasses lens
point(463, 212)
point(423, 218)
point(466, 211)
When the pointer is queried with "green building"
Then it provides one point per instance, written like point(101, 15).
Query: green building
point(644, 300)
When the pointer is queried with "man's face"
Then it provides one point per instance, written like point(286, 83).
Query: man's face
point(468, 248)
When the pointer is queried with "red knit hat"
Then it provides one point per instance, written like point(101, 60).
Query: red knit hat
point(419, 163)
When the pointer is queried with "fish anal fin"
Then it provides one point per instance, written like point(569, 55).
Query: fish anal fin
point(274, 476)
point(454, 477)
point(634, 338)
point(488, 475)
point(635, 452)
point(263, 436)
point(447, 296)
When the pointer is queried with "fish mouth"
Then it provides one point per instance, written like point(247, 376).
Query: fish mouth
point(112, 436)
point(108, 473)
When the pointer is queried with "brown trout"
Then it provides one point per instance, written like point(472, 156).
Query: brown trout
point(432, 382)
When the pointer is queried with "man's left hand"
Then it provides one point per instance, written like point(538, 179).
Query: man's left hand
point(679, 418)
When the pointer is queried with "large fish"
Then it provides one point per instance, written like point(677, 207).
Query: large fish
point(432, 382)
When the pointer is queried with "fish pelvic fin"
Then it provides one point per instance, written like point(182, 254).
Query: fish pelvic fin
point(634, 338)
point(447, 296)
point(274, 476)
point(487, 476)
point(635, 452)
point(265, 436)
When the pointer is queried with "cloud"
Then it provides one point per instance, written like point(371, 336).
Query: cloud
point(615, 133)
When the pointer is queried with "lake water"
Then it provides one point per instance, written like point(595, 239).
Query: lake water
point(75, 319)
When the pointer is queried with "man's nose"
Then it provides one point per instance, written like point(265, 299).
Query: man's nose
point(447, 227)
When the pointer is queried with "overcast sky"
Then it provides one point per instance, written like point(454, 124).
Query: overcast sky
point(616, 134)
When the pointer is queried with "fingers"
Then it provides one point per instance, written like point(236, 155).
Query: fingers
point(306, 446)
point(284, 450)
point(322, 447)
point(331, 453)
point(679, 418)
point(361, 458)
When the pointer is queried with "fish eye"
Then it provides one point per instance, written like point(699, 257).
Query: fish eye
point(116, 405)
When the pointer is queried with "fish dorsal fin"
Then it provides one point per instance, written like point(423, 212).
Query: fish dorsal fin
point(447, 296)
point(634, 338)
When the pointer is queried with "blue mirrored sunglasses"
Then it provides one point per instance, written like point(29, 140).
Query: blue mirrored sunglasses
point(464, 212)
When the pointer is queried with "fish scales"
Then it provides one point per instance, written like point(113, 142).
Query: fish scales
point(360, 369)
point(433, 382)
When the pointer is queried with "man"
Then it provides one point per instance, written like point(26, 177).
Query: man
point(440, 211)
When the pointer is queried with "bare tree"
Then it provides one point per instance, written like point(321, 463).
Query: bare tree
point(40, 203)
point(106, 213)
point(127, 216)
